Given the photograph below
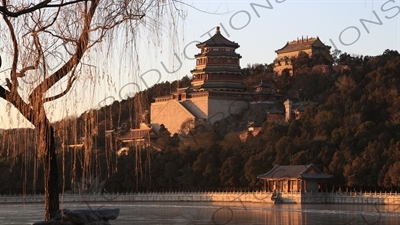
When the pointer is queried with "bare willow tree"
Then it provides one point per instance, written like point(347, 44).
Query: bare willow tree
point(34, 32)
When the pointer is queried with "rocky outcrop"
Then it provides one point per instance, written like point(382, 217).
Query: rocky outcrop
point(81, 217)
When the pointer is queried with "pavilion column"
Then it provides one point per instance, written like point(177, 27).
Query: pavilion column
point(325, 186)
point(299, 185)
point(265, 185)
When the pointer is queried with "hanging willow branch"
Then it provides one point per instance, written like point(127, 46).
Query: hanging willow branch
point(33, 34)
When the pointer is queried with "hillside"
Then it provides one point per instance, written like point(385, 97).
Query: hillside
point(352, 132)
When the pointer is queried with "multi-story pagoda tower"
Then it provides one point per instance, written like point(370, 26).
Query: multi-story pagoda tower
point(217, 65)
point(216, 91)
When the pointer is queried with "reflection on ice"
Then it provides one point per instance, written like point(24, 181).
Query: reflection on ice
point(218, 213)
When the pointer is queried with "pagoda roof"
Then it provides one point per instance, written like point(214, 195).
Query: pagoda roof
point(295, 172)
point(222, 85)
point(219, 53)
point(218, 41)
point(300, 44)
point(217, 69)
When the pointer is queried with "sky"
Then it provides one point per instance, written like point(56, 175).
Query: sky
point(362, 27)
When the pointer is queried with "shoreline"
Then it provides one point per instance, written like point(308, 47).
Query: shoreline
point(256, 197)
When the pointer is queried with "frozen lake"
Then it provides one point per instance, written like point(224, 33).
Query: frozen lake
point(219, 213)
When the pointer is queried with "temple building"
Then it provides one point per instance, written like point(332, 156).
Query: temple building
point(140, 139)
point(311, 46)
point(217, 66)
point(295, 178)
point(216, 90)
point(141, 135)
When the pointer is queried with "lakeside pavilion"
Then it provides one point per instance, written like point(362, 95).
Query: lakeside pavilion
point(295, 178)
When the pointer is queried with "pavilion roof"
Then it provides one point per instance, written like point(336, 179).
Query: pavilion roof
point(218, 41)
point(141, 133)
point(134, 134)
point(294, 172)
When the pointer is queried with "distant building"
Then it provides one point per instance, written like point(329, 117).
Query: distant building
point(291, 111)
point(294, 110)
point(251, 130)
point(140, 138)
point(216, 91)
point(311, 46)
point(141, 135)
point(217, 66)
point(295, 178)
point(264, 93)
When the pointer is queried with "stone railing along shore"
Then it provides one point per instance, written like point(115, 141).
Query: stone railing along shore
point(383, 198)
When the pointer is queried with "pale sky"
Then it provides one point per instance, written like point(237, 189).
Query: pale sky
point(362, 27)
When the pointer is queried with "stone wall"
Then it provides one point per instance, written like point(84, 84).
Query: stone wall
point(219, 108)
point(289, 55)
point(171, 113)
point(201, 105)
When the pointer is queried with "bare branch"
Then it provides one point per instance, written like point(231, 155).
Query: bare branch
point(82, 44)
point(71, 81)
point(195, 8)
point(52, 22)
point(6, 12)
point(8, 83)
point(81, 47)
point(41, 5)
point(132, 17)
point(37, 61)
point(104, 28)
point(18, 102)
point(16, 52)
point(65, 39)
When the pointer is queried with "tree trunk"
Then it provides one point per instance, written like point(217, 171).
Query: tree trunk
point(47, 150)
